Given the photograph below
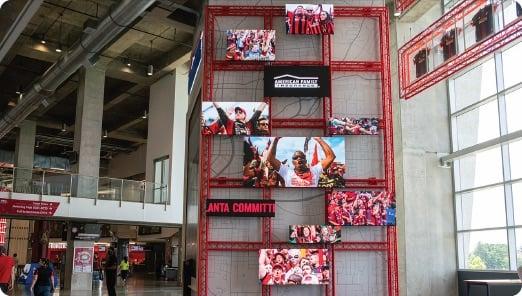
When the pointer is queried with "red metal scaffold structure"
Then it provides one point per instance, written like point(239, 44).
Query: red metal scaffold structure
point(410, 87)
point(389, 246)
point(402, 5)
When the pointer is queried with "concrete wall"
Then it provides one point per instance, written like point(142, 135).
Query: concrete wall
point(167, 132)
point(125, 165)
point(161, 122)
point(425, 214)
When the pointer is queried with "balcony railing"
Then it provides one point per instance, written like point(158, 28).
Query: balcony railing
point(68, 185)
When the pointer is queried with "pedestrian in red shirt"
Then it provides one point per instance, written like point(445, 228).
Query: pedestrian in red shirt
point(7, 271)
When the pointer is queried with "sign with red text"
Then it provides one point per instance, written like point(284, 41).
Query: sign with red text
point(240, 208)
point(28, 207)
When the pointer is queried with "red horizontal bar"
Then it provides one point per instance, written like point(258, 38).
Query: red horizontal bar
point(369, 183)
point(233, 246)
point(403, 5)
point(339, 11)
point(223, 65)
point(218, 10)
point(361, 246)
point(351, 66)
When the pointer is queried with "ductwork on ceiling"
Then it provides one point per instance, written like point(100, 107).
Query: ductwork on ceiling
point(83, 53)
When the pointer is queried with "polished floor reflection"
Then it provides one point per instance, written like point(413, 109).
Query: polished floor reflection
point(136, 286)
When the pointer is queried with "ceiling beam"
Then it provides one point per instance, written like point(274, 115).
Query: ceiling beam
point(113, 134)
point(127, 125)
point(158, 15)
point(122, 97)
point(14, 17)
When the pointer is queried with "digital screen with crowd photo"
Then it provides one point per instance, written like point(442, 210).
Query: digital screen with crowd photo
point(314, 234)
point(361, 208)
point(294, 266)
point(353, 126)
point(235, 118)
point(250, 45)
point(294, 162)
point(309, 19)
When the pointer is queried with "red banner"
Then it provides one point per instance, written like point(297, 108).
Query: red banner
point(28, 207)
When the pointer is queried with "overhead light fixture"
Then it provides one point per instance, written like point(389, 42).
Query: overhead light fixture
point(144, 115)
point(397, 13)
point(59, 48)
point(127, 62)
point(105, 134)
point(64, 127)
point(150, 68)
point(20, 90)
point(37, 144)
point(43, 41)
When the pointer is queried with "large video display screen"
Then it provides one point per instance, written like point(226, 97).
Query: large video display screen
point(314, 234)
point(353, 126)
point(294, 162)
point(235, 118)
point(309, 19)
point(361, 208)
point(294, 266)
point(250, 45)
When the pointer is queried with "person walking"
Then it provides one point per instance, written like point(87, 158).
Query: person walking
point(124, 270)
point(7, 271)
point(111, 266)
point(43, 279)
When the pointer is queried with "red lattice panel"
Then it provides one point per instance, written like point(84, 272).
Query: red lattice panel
point(207, 182)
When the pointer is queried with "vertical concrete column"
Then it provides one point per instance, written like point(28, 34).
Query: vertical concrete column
point(168, 106)
point(24, 156)
point(425, 206)
point(88, 130)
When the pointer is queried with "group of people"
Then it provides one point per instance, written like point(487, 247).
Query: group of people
point(311, 234)
point(237, 122)
point(310, 20)
point(361, 208)
point(263, 169)
point(42, 277)
point(353, 126)
point(257, 45)
point(111, 266)
point(294, 266)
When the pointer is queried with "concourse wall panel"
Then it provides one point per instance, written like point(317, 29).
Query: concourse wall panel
point(365, 261)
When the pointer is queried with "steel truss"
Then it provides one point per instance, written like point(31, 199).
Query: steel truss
point(207, 182)
point(402, 5)
point(410, 87)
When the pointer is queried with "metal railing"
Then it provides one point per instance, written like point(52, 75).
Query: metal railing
point(69, 185)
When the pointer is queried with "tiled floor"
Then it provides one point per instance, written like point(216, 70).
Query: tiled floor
point(136, 286)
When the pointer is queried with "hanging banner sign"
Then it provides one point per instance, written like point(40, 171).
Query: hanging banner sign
point(297, 81)
point(240, 207)
point(28, 207)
